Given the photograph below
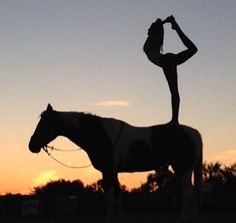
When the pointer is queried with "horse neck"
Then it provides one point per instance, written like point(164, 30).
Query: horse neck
point(82, 129)
point(77, 127)
point(71, 123)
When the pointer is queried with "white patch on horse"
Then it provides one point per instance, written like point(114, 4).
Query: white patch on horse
point(122, 135)
point(194, 135)
point(112, 128)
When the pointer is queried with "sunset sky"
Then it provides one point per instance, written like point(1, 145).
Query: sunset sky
point(86, 55)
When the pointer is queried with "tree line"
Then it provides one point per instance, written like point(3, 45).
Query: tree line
point(160, 192)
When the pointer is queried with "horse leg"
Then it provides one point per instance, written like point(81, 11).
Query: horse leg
point(189, 209)
point(109, 186)
point(118, 201)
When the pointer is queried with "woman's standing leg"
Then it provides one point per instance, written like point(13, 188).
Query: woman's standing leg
point(175, 98)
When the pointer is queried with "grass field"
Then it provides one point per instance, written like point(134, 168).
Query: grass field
point(159, 218)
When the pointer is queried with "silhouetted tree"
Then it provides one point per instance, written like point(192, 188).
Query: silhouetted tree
point(222, 178)
point(162, 180)
point(229, 176)
point(60, 187)
point(95, 187)
point(219, 186)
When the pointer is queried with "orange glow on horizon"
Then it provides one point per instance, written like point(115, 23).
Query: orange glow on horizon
point(130, 180)
point(45, 177)
point(39, 169)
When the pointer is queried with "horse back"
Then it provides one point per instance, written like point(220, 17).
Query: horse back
point(176, 146)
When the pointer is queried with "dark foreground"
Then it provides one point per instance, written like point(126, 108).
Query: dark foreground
point(159, 218)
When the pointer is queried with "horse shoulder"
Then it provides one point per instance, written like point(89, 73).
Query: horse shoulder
point(112, 127)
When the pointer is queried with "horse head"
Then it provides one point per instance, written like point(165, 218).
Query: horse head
point(46, 130)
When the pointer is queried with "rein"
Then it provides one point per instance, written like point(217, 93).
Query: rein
point(62, 150)
point(45, 148)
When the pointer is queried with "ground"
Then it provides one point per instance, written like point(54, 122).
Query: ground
point(159, 218)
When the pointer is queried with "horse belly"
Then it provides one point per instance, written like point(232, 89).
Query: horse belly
point(140, 158)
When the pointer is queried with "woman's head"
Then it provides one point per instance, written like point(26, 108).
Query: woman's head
point(156, 28)
point(156, 32)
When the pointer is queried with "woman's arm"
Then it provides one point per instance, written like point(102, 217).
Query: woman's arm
point(191, 48)
point(152, 51)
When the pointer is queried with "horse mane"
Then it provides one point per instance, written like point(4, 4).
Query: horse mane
point(89, 116)
point(82, 114)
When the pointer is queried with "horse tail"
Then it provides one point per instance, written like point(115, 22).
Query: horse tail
point(198, 171)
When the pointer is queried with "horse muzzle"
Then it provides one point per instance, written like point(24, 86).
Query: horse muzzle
point(34, 147)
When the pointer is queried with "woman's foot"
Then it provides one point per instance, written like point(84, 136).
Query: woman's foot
point(173, 122)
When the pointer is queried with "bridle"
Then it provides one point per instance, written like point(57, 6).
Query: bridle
point(60, 150)
point(46, 149)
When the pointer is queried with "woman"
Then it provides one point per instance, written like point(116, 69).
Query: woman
point(169, 61)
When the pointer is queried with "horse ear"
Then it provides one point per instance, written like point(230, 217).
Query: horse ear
point(49, 108)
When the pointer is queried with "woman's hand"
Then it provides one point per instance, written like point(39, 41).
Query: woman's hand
point(171, 19)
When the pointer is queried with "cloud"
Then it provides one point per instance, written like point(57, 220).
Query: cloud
point(113, 103)
point(45, 177)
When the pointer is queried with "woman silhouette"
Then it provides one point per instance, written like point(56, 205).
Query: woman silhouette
point(169, 61)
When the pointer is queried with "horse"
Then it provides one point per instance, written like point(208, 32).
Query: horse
point(114, 146)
